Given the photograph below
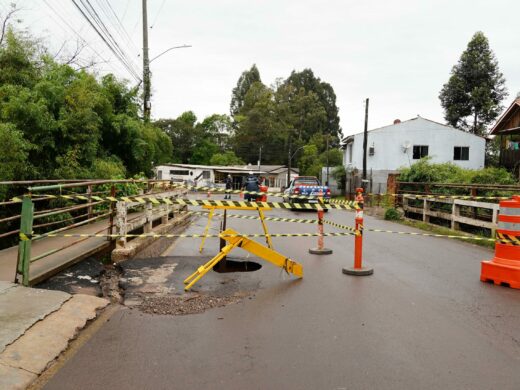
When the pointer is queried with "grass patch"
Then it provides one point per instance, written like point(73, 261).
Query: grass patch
point(445, 231)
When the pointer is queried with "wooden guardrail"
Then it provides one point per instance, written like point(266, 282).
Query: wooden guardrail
point(481, 215)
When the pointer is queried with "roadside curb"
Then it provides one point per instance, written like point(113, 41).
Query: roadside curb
point(22, 361)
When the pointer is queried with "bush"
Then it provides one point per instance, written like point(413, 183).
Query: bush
point(425, 172)
point(392, 214)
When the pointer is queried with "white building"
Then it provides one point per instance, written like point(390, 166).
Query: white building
point(203, 175)
point(403, 143)
point(274, 176)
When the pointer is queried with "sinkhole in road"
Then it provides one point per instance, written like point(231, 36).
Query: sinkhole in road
point(226, 266)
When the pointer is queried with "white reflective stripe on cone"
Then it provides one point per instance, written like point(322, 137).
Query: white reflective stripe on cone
point(509, 226)
point(510, 211)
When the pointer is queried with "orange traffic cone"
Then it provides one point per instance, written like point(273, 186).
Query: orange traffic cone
point(504, 269)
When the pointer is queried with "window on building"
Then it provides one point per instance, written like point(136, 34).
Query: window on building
point(461, 153)
point(179, 172)
point(349, 152)
point(206, 174)
point(420, 151)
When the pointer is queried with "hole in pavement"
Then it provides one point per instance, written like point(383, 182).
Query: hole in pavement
point(236, 266)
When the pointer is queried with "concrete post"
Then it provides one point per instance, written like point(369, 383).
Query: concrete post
point(149, 218)
point(165, 213)
point(426, 209)
point(495, 220)
point(121, 223)
point(455, 213)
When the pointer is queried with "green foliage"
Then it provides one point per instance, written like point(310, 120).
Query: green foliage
point(226, 158)
point(311, 161)
point(426, 172)
point(13, 154)
point(108, 169)
point(246, 80)
point(340, 175)
point(258, 126)
point(392, 214)
point(75, 125)
point(298, 111)
point(471, 98)
point(319, 97)
point(195, 142)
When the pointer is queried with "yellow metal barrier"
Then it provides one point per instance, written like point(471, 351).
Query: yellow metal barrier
point(260, 210)
point(234, 240)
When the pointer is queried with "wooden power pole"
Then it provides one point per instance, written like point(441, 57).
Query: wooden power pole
point(365, 136)
point(147, 106)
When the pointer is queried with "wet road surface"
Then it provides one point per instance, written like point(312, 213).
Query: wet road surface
point(423, 320)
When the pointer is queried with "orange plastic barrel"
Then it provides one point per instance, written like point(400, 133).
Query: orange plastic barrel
point(504, 269)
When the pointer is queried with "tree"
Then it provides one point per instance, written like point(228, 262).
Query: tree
point(226, 158)
point(246, 80)
point(74, 124)
point(13, 154)
point(471, 98)
point(182, 133)
point(258, 126)
point(218, 128)
point(309, 90)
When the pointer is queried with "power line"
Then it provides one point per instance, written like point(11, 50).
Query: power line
point(123, 33)
point(93, 13)
point(157, 14)
point(63, 20)
point(108, 39)
point(93, 19)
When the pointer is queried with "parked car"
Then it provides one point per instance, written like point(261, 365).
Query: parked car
point(307, 186)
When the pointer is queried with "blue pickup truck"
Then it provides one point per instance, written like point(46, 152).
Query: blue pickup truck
point(306, 186)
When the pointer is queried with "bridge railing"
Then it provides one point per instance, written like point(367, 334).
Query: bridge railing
point(38, 214)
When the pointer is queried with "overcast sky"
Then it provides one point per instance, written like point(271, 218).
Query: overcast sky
point(397, 53)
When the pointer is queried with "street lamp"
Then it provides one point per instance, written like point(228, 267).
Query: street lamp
point(167, 50)
point(159, 55)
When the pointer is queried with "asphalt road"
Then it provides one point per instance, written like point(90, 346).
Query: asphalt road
point(423, 320)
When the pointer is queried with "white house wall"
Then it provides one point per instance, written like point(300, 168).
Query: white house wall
point(441, 140)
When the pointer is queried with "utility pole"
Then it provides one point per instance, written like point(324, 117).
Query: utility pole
point(327, 183)
point(147, 107)
point(260, 158)
point(365, 137)
point(289, 164)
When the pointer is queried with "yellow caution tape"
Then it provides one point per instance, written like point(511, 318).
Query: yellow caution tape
point(27, 237)
point(198, 202)
point(225, 191)
point(431, 196)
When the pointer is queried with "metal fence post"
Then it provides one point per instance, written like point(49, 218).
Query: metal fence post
point(24, 247)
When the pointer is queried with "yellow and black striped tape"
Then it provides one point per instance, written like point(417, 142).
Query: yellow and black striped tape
point(345, 227)
point(508, 239)
point(224, 191)
point(27, 237)
point(201, 202)
point(431, 196)
point(500, 237)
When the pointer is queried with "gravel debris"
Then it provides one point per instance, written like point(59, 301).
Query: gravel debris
point(186, 304)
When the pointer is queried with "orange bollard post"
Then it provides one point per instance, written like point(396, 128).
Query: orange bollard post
point(320, 250)
point(504, 268)
point(358, 269)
